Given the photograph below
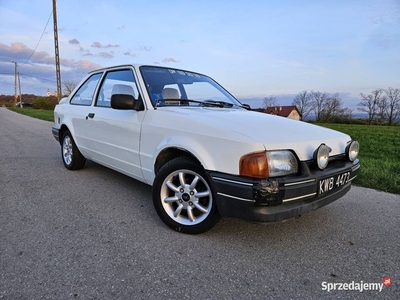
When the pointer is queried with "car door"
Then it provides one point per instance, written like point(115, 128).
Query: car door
point(81, 107)
point(114, 134)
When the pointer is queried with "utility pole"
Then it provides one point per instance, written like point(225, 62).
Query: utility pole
point(58, 74)
point(15, 81)
point(20, 95)
point(15, 85)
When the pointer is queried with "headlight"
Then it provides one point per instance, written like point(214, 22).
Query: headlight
point(268, 164)
point(352, 150)
point(281, 163)
point(321, 156)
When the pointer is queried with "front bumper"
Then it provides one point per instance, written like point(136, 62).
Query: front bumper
point(277, 199)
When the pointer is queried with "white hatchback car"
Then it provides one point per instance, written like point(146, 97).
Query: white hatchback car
point(205, 153)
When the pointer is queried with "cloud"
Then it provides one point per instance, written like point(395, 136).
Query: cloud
point(39, 73)
point(17, 51)
point(170, 59)
point(86, 65)
point(129, 53)
point(106, 55)
point(99, 45)
point(144, 48)
point(73, 42)
point(96, 45)
point(20, 52)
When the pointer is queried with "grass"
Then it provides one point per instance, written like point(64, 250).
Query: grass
point(379, 155)
point(379, 151)
point(46, 115)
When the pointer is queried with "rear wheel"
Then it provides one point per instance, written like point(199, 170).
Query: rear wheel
point(72, 158)
point(182, 197)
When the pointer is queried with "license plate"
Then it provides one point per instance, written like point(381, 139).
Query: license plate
point(334, 182)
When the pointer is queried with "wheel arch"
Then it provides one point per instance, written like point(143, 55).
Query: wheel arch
point(170, 153)
point(61, 131)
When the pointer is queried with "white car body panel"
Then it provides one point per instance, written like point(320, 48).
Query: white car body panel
point(113, 138)
point(216, 147)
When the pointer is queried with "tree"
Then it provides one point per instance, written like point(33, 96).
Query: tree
point(69, 86)
point(393, 97)
point(303, 103)
point(369, 103)
point(318, 101)
point(382, 107)
point(331, 108)
point(345, 114)
point(270, 101)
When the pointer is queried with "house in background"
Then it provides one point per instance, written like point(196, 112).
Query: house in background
point(290, 112)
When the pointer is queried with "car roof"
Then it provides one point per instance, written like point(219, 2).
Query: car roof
point(116, 66)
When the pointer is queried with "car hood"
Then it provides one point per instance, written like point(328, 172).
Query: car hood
point(273, 132)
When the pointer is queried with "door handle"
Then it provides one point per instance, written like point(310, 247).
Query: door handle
point(90, 115)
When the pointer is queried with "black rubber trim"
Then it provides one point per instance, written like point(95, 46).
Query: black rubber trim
point(55, 132)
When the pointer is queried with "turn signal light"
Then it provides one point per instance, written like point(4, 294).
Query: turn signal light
point(254, 165)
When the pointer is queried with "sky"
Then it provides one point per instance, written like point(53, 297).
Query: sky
point(253, 48)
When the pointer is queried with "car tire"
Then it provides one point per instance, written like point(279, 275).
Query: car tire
point(71, 156)
point(183, 198)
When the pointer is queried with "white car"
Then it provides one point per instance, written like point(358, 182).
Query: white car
point(205, 153)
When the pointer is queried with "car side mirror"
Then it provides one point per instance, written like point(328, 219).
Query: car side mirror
point(126, 102)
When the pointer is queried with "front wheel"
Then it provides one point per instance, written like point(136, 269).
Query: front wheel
point(71, 156)
point(182, 197)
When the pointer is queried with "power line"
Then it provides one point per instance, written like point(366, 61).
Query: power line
point(39, 39)
point(25, 75)
point(40, 78)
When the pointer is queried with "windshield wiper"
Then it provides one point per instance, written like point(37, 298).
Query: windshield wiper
point(226, 104)
point(181, 101)
point(201, 103)
point(217, 103)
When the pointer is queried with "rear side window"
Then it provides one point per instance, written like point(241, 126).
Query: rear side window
point(85, 94)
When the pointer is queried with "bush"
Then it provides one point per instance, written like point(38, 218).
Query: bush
point(8, 103)
point(46, 103)
point(338, 120)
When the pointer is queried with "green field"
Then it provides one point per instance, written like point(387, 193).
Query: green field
point(379, 155)
point(379, 151)
point(41, 114)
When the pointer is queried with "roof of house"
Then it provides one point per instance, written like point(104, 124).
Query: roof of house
point(283, 111)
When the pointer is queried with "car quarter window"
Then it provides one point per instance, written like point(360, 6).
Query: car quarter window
point(84, 95)
point(117, 82)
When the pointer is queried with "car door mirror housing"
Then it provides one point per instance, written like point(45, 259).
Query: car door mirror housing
point(126, 102)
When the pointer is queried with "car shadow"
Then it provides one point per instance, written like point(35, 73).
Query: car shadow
point(312, 225)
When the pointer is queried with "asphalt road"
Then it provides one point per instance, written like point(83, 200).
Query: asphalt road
point(93, 234)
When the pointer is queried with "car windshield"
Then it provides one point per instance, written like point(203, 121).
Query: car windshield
point(168, 87)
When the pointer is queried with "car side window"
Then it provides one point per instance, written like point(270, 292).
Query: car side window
point(85, 94)
point(117, 82)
